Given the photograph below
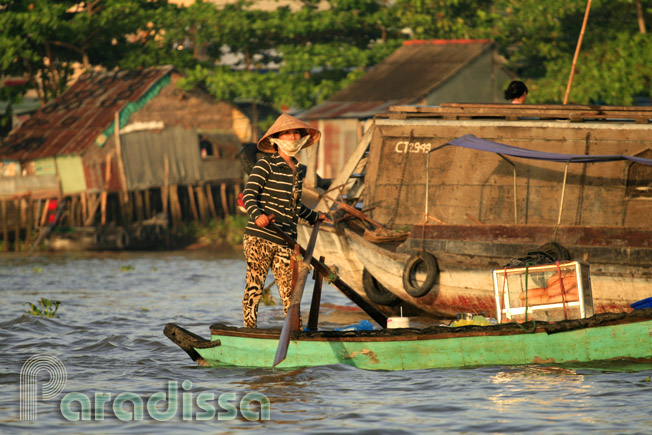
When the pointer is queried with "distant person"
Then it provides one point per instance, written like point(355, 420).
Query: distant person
point(516, 92)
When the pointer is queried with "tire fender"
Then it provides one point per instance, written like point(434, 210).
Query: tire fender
point(376, 292)
point(423, 260)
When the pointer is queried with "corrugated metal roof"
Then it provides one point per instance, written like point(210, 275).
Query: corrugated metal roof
point(408, 75)
point(71, 123)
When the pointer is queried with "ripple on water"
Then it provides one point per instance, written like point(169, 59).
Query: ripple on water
point(109, 336)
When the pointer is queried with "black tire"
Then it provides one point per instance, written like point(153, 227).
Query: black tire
point(376, 292)
point(420, 260)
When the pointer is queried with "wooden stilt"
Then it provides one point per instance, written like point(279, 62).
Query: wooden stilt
point(44, 214)
point(193, 204)
point(73, 211)
point(103, 208)
point(17, 226)
point(211, 203)
point(166, 179)
point(84, 207)
point(201, 204)
point(5, 229)
point(138, 203)
point(28, 222)
point(175, 208)
point(36, 213)
point(148, 204)
point(225, 206)
point(94, 201)
point(105, 192)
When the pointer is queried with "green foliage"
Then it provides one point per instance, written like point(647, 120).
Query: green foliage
point(45, 308)
point(127, 268)
point(298, 58)
point(227, 232)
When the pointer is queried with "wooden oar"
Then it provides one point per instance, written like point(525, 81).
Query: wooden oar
point(292, 318)
point(326, 272)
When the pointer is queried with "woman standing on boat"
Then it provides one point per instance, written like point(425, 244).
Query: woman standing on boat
point(273, 194)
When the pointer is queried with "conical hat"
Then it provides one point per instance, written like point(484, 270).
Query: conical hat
point(287, 122)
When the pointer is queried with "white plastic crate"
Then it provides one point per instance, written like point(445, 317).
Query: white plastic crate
point(539, 290)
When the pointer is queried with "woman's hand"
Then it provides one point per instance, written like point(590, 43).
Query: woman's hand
point(323, 217)
point(264, 220)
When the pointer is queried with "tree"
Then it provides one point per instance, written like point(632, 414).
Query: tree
point(43, 39)
point(539, 40)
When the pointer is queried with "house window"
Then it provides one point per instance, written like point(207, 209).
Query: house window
point(205, 148)
point(639, 178)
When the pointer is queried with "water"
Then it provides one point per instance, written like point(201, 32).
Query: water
point(109, 337)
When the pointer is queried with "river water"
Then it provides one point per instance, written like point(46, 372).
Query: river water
point(108, 337)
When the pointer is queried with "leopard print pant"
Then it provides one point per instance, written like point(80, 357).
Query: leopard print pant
point(260, 255)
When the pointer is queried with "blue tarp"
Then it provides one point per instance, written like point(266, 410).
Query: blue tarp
point(473, 142)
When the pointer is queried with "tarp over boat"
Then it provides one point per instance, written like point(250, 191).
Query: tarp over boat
point(476, 143)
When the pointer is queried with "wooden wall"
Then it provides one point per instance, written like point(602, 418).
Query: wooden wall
point(468, 184)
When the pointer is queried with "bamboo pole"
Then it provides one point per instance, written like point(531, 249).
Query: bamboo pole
point(577, 51)
point(640, 19)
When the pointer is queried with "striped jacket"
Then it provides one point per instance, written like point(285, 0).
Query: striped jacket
point(273, 189)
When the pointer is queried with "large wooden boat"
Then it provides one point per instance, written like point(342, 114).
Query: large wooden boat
point(602, 337)
point(471, 209)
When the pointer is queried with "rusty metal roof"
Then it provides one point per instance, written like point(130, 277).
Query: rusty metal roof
point(74, 121)
point(406, 76)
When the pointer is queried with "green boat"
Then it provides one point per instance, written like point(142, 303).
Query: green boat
point(605, 336)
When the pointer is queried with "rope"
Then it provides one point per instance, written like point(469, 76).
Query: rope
point(563, 291)
point(529, 331)
point(332, 276)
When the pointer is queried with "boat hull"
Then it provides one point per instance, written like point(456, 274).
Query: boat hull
point(465, 283)
point(603, 337)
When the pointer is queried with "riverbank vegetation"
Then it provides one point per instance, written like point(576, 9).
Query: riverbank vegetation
point(226, 233)
point(301, 56)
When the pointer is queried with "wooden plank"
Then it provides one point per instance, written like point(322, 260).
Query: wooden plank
point(313, 317)
point(344, 175)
